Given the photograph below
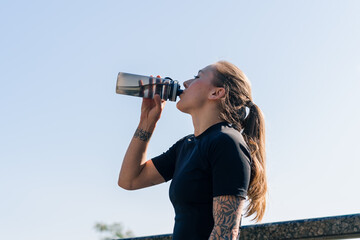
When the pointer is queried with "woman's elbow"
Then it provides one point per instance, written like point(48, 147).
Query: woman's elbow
point(124, 185)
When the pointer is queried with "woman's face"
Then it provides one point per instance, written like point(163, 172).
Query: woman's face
point(197, 91)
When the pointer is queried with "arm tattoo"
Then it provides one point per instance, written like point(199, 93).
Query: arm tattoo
point(142, 135)
point(227, 217)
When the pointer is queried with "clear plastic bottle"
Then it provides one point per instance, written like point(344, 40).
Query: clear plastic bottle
point(147, 87)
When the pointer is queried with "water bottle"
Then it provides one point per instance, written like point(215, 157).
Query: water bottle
point(147, 87)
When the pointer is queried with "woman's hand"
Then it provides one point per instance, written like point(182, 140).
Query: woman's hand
point(151, 110)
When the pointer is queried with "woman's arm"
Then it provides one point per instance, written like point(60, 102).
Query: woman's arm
point(227, 216)
point(136, 172)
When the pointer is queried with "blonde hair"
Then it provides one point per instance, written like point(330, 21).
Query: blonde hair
point(233, 110)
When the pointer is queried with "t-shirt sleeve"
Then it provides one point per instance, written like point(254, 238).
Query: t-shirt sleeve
point(230, 166)
point(165, 163)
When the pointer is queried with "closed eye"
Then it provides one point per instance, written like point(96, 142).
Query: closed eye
point(197, 76)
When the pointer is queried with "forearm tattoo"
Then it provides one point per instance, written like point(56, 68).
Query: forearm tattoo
point(227, 216)
point(142, 135)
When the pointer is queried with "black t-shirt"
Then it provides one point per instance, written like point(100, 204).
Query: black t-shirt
point(215, 163)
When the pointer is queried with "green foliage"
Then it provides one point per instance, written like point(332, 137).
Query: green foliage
point(112, 231)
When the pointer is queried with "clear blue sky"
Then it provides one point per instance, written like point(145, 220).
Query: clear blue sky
point(64, 131)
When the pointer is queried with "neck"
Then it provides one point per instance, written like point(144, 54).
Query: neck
point(202, 120)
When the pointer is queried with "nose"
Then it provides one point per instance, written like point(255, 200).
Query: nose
point(187, 83)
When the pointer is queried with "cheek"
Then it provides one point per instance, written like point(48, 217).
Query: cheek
point(198, 90)
point(190, 102)
point(195, 97)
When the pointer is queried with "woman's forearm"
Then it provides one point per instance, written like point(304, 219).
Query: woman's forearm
point(135, 157)
point(227, 217)
point(134, 162)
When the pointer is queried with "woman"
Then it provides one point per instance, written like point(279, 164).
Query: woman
point(214, 169)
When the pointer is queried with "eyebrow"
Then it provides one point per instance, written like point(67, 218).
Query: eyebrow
point(200, 71)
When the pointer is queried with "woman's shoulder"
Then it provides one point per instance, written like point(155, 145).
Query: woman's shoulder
point(182, 140)
point(190, 136)
point(226, 137)
point(224, 134)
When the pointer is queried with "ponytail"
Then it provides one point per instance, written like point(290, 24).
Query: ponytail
point(252, 127)
point(254, 135)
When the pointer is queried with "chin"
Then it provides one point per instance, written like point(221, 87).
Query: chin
point(180, 106)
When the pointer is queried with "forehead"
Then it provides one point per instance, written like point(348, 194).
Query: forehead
point(207, 69)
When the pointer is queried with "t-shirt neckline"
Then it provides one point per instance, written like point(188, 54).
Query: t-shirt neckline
point(210, 129)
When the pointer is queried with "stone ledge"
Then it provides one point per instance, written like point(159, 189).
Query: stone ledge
point(336, 227)
point(316, 228)
point(156, 237)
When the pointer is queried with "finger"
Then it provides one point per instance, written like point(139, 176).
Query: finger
point(146, 101)
point(157, 101)
point(158, 86)
point(151, 87)
point(163, 103)
point(165, 89)
point(142, 89)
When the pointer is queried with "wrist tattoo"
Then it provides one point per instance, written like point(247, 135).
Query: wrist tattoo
point(142, 134)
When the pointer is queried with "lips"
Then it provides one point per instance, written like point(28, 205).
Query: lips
point(181, 94)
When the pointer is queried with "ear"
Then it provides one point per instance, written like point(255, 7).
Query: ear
point(217, 93)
